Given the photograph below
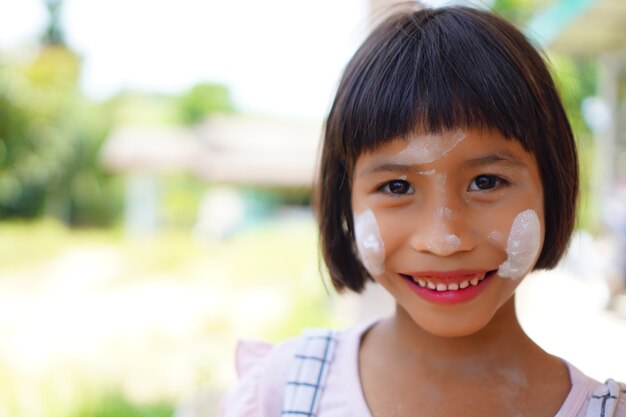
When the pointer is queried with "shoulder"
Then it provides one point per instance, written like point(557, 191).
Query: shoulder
point(608, 399)
point(263, 371)
point(590, 398)
point(620, 406)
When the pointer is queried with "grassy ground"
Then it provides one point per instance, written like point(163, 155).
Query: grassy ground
point(96, 325)
point(93, 324)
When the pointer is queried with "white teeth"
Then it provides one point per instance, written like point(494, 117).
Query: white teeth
point(424, 283)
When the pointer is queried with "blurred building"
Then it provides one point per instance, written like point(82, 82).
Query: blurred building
point(227, 150)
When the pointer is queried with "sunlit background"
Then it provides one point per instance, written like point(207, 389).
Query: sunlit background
point(156, 164)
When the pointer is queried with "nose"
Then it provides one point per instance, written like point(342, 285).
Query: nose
point(442, 231)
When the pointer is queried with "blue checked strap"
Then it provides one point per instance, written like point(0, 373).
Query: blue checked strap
point(308, 372)
point(603, 402)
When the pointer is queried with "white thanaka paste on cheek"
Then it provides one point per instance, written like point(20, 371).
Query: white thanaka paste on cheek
point(429, 148)
point(523, 245)
point(369, 242)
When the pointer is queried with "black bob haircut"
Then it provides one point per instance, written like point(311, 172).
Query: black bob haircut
point(433, 70)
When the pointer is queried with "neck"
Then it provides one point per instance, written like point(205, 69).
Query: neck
point(502, 343)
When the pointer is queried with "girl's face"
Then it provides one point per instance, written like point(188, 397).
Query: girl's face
point(449, 224)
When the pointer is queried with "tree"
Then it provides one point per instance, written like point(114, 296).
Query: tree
point(202, 100)
point(49, 137)
point(519, 12)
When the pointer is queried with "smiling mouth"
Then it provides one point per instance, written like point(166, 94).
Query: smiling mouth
point(443, 285)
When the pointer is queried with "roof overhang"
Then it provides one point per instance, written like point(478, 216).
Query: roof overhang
point(581, 27)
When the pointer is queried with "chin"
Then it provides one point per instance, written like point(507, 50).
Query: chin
point(452, 326)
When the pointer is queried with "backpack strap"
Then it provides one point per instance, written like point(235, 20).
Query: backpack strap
point(603, 401)
point(308, 372)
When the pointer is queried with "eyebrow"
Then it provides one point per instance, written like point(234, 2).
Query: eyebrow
point(501, 157)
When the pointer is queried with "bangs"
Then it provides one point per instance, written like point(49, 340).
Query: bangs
point(438, 71)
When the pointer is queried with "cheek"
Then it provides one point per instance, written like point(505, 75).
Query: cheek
point(522, 246)
point(369, 242)
point(497, 237)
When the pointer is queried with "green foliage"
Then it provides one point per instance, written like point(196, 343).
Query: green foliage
point(588, 217)
point(35, 148)
point(138, 108)
point(190, 107)
point(202, 100)
point(116, 405)
point(50, 137)
point(575, 79)
point(519, 11)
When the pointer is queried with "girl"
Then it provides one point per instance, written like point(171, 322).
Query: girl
point(448, 173)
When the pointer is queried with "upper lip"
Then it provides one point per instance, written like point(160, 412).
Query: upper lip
point(448, 276)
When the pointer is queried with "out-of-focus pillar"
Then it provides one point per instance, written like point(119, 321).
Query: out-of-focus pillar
point(607, 140)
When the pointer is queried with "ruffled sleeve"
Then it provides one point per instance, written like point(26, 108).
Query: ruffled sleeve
point(244, 399)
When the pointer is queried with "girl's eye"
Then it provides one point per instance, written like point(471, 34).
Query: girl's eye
point(397, 187)
point(485, 182)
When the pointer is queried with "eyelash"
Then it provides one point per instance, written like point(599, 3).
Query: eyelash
point(495, 179)
point(498, 182)
point(385, 188)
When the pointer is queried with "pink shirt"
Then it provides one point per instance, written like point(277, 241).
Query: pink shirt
point(263, 369)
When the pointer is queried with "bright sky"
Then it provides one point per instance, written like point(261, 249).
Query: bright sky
point(281, 57)
point(278, 56)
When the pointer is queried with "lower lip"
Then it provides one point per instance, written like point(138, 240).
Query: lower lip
point(450, 297)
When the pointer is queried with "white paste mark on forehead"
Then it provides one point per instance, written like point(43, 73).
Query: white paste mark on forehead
point(429, 148)
point(369, 242)
point(523, 245)
point(427, 173)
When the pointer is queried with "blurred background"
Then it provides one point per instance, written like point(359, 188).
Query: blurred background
point(156, 164)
